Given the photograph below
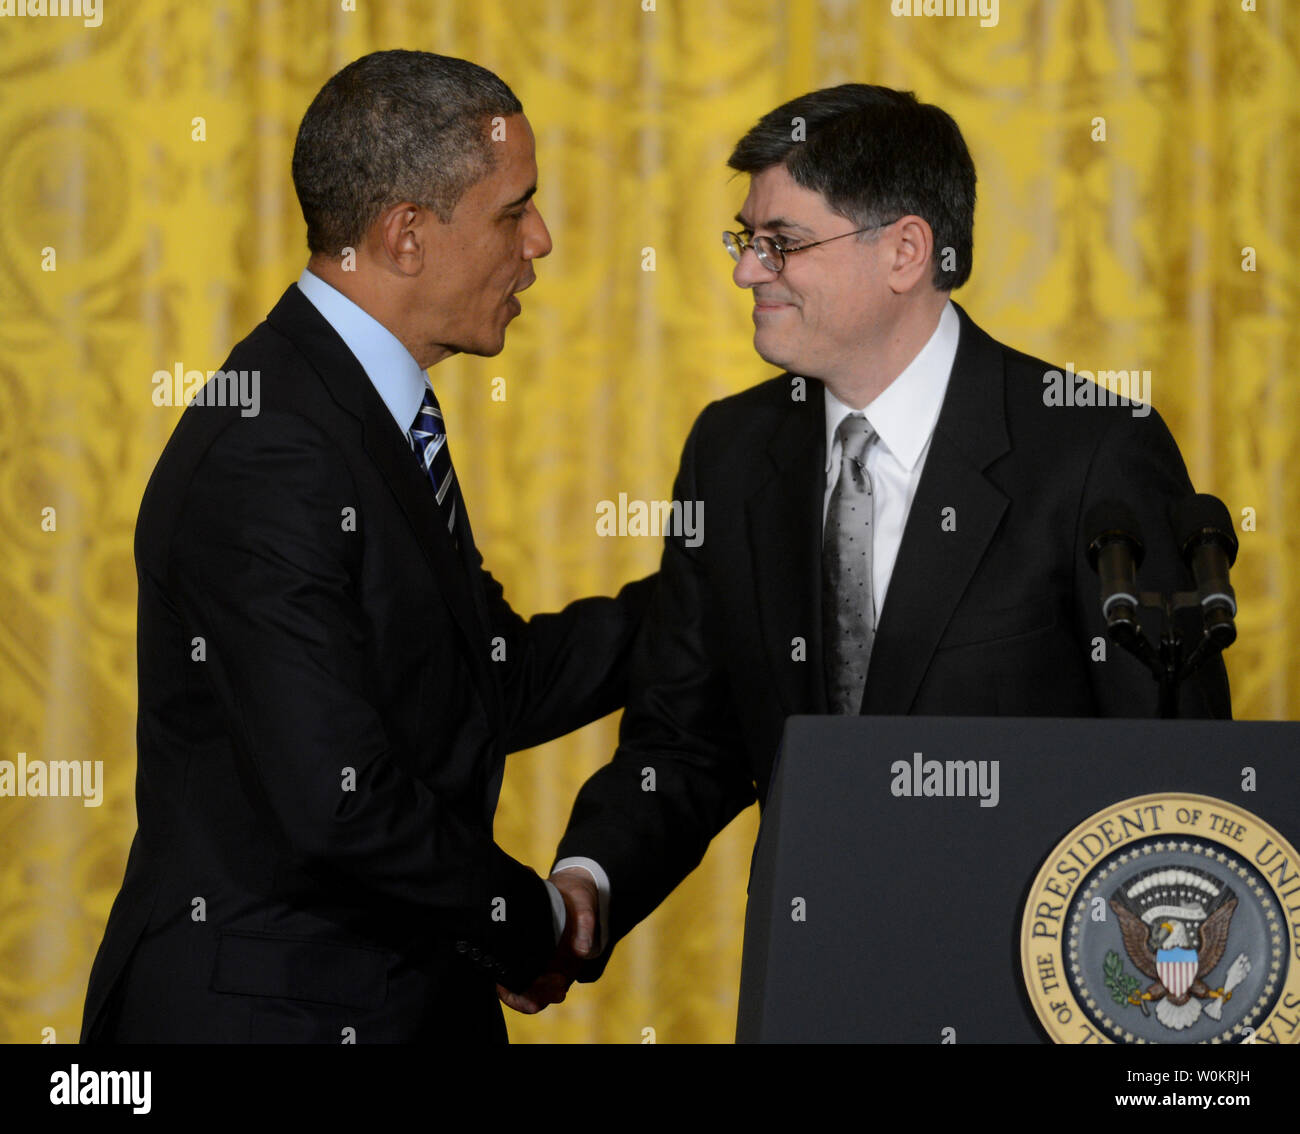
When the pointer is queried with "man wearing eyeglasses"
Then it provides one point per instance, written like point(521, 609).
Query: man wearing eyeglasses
point(895, 522)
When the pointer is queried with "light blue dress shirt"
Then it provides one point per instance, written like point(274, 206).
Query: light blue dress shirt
point(395, 375)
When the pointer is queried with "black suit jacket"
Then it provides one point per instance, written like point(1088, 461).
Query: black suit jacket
point(328, 690)
point(999, 616)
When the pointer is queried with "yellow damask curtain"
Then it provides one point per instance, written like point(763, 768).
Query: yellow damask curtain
point(1137, 209)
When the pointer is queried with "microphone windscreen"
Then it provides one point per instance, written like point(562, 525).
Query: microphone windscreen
point(1112, 519)
point(1194, 516)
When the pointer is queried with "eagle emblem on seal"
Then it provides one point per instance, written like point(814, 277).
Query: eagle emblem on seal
point(1175, 923)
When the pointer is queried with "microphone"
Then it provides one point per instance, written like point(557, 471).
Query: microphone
point(1115, 552)
point(1203, 528)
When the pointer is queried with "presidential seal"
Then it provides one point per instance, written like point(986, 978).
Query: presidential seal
point(1166, 919)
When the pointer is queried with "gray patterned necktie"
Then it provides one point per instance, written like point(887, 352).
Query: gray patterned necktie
point(848, 607)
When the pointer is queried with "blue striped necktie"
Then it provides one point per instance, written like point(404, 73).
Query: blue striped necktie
point(428, 438)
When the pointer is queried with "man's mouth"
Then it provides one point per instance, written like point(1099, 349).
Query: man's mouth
point(512, 302)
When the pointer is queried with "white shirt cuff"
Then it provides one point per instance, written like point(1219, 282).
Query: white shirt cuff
point(557, 909)
point(602, 890)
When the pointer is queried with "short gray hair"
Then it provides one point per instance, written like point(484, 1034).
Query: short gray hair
point(394, 126)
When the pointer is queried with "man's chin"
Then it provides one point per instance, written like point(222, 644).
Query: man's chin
point(481, 349)
point(775, 353)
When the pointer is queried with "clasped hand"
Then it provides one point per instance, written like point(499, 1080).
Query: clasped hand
point(577, 943)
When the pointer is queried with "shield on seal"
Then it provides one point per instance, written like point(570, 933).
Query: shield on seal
point(1177, 969)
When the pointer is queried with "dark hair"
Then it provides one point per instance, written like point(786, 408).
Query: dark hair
point(875, 154)
point(393, 126)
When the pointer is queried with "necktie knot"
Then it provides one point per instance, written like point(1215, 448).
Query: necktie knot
point(428, 418)
point(855, 434)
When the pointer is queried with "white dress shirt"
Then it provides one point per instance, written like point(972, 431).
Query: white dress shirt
point(903, 416)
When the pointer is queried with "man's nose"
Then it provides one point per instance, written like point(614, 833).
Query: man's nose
point(537, 241)
point(748, 271)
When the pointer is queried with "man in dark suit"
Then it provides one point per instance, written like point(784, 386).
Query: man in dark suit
point(896, 524)
point(329, 679)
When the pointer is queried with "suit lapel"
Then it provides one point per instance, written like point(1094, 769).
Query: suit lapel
point(934, 565)
point(343, 375)
point(784, 523)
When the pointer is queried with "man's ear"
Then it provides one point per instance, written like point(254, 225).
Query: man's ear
point(912, 242)
point(402, 230)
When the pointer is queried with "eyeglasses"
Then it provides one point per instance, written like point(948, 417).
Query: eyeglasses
point(771, 254)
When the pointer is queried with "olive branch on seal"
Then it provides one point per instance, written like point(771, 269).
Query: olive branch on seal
point(1120, 984)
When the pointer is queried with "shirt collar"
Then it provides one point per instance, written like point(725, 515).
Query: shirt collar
point(905, 412)
point(394, 373)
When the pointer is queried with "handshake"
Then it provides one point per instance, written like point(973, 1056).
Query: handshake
point(577, 943)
